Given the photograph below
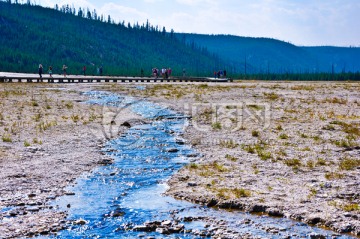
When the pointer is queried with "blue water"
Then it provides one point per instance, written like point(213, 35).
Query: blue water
point(133, 185)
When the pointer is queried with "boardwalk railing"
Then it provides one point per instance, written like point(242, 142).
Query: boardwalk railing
point(102, 79)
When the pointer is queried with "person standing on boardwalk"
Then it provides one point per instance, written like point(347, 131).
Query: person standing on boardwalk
point(50, 71)
point(101, 70)
point(84, 70)
point(40, 71)
point(169, 72)
point(64, 70)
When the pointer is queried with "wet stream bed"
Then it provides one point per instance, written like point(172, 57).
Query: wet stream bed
point(125, 199)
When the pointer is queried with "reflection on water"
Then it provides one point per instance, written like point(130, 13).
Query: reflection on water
point(112, 200)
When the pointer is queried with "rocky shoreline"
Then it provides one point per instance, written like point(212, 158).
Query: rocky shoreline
point(295, 153)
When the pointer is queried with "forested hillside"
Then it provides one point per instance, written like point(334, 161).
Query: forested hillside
point(264, 55)
point(31, 35)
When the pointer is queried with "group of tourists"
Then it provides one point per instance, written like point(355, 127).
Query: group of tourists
point(220, 74)
point(64, 70)
point(41, 69)
point(165, 73)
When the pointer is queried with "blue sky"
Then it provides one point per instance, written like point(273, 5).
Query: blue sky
point(301, 22)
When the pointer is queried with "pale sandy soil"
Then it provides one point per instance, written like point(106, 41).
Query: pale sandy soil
point(283, 148)
point(48, 139)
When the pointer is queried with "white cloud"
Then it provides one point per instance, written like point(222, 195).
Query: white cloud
point(305, 22)
point(119, 13)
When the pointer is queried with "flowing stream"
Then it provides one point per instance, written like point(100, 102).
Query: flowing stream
point(116, 200)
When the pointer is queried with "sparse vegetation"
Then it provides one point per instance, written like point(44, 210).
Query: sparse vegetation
point(292, 162)
point(231, 158)
point(351, 207)
point(334, 175)
point(283, 136)
point(255, 133)
point(26, 143)
point(228, 144)
point(6, 138)
point(349, 163)
point(216, 126)
point(271, 96)
point(227, 193)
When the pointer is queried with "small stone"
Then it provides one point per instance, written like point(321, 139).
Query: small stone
point(31, 195)
point(80, 222)
point(172, 150)
point(162, 230)
point(166, 223)
point(192, 184)
point(313, 219)
point(316, 236)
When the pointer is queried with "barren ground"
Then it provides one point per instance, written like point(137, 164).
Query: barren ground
point(283, 148)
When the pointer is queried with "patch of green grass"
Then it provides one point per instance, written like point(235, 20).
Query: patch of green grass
point(203, 86)
point(279, 127)
point(303, 87)
point(193, 166)
point(256, 170)
point(333, 176)
point(255, 107)
point(34, 103)
point(45, 125)
point(26, 143)
point(344, 143)
point(241, 192)
point(255, 133)
point(248, 148)
point(231, 158)
point(349, 164)
point(312, 193)
point(283, 136)
point(264, 155)
point(69, 105)
point(6, 138)
point(292, 162)
point(230, 144)
point(320, 162)
point(351, 207)
point(205, 115)
point(232, 193)
point(216, 126)
point(336, 100)
point(75, 118)
point(37, 141)
point(271, 96)
point(310, 164)
point(316, 137)
point(260, 149)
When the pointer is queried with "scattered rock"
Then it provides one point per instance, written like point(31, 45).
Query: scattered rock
point(172, 150)
point(192, 184)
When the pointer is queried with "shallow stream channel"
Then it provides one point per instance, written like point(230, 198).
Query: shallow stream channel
point(125, 199)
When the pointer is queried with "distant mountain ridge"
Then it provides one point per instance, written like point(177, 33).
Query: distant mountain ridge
point(31, 35)
point(263, 55)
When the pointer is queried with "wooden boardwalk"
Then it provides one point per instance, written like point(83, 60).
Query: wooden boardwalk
point(32, 78)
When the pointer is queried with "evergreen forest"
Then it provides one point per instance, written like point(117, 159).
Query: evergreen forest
point(33, 35)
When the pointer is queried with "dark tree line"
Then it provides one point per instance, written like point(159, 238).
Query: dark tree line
point(32, 35)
